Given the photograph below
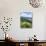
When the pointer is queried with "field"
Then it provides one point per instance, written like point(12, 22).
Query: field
point(26, 22)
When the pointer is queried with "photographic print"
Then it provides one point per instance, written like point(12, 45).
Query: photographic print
point(26, 19)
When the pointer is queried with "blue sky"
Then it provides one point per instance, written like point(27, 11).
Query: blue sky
point(26, 14)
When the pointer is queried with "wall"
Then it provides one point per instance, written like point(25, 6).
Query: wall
point(12, 8)
point(45, 28)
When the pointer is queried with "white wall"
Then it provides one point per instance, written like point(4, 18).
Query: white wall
point(12, 8)
point(45, 28)
point(39, 23)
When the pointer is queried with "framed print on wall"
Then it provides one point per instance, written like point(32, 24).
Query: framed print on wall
point(26, 19)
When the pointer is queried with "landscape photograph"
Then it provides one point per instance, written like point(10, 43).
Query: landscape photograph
point(26, 20)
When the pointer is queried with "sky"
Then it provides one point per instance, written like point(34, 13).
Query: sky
point(26, 14)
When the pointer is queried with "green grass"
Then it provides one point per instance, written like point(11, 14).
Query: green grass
point(24, 23)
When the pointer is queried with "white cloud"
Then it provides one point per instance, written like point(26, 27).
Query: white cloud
point(26, 14)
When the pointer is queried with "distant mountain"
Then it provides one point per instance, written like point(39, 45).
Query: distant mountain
point(26, 19)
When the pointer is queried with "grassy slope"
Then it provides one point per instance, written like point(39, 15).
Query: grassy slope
point(25, 23)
